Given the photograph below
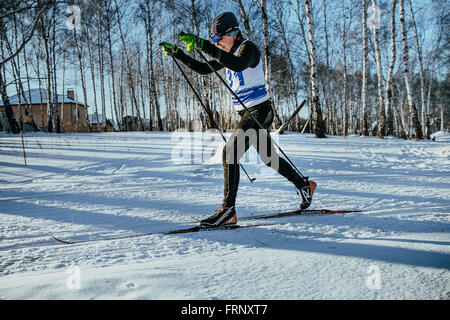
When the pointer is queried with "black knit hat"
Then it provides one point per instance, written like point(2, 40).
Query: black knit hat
point(224, 23)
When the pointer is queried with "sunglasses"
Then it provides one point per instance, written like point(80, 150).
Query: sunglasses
point(216, 38)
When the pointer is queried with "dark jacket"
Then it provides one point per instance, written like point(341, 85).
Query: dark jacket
point(247, 57)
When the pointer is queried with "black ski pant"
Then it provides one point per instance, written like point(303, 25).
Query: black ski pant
point(246, 134)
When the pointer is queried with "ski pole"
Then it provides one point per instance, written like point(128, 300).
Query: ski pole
point(253, 117)
point(204, 107)
point(286, 123)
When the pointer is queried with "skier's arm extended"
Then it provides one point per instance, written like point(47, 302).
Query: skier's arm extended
point(197, 66)
point(200, 67)
point(248, 56)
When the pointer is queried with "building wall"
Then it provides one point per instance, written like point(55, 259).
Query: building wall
point(68, 117)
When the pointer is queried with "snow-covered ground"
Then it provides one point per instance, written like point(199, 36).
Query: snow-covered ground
point(93, 186)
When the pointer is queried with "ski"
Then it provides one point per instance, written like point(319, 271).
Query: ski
point(307, 212)
point(178, 231)
point(226, 227)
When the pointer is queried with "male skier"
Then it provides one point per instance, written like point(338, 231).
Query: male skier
point(242, 60)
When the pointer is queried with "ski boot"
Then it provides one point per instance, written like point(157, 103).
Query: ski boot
point(225, 215)
point(305, 189)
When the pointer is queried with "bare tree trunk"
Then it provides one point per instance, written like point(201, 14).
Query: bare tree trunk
point(421, 70)
point(412, 108)
point(91, 67)
point(345, 113)
point(327, 74)
point(140, 83)
point(381, 132)
point(129, 71)
point(122, 95)
point(83, 81)
point(300, 17)
point(283, 33)
point(113, 76)
point(397, 108)
point(388, 89)
point(428, 124)
point(34, 24)
point(38, 73)
point(149, 22)
point(101, 67)
point(15, 128)
point(155, 91)
point(302, 29)
point(265, 25)
point(319, 126)
point(56, 118)
point(63, 87)
point(363, 124)
point(245, 19)
point(46, 39)
point(19, 84)
point(165, 81)
point(210, 123)
point(30, 111)
point(17, 74)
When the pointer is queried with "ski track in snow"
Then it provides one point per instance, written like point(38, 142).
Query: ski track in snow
point(93, 186)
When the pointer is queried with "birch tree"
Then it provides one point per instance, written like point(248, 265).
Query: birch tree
point(109, 21)
point(149, 15)
point(345, 111)
point(8, 10)
point(79, 53)
point(283, 32)
point(100, 17)
point(195, 13)
point(245, 19)
point(375, 25)
point(363, 122)
point(319, 127)
point(412, 109)
point(20, 89)
point(131, 83)
point(262, 5)
point(388, 90)
point(421, 69)
point(44, 29)
point(327, 75)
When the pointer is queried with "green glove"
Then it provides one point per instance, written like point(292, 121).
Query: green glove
point(191, 41)
point(168, 49)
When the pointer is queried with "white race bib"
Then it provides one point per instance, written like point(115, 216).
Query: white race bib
point(249, 85)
